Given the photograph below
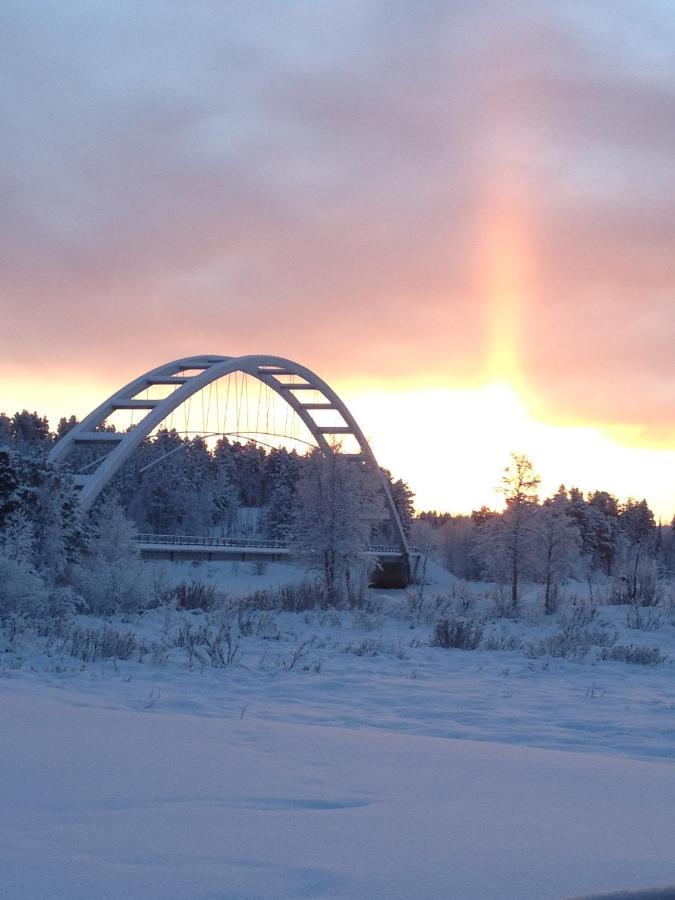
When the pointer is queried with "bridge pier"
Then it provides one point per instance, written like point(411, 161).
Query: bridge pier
point(392, 573)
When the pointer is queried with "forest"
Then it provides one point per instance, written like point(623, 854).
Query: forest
point(178, 485)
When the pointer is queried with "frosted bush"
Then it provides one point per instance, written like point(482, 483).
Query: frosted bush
point(457, 634)
point(632, 653)
point(112, 577)
point(22, 591)
point(195, 595)
point(501, 641)
point(365, 647)
point(425, 610)
point(90, 644)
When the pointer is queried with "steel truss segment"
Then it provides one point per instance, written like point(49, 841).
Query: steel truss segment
point(267, 369)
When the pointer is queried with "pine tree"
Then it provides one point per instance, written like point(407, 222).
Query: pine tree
point(225, 491)
point(278, 518)
point(9, 483)
point(200, 484)
point(5, 429)
point(404, 501)
point(65, 425)
point(602, 529)
point(160, 502)
point(30, 428)
point(639, 527)
point(44, 494)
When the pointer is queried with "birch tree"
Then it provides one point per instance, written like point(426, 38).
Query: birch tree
point(336, 505)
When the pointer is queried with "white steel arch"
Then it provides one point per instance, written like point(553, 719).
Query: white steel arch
point(273, 371)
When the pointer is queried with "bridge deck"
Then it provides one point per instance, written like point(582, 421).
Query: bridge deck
point(206, 544)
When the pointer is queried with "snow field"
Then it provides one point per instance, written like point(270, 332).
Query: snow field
point(337, 756)
point(138, 803)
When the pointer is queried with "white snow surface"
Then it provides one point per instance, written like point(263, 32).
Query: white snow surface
point(374, 766)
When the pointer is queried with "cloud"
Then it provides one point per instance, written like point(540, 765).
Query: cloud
point(316, 179)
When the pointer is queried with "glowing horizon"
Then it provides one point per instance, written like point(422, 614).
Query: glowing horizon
point(450, 444)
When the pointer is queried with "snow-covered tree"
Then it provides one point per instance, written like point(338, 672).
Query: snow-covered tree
point(557, 546)
point(112, 576)
point(404, 501)
point(65, 425)
point(639, 529)
point(5, 429)
point(44, 494)
point(9, 483)
point(17, 538)
point(50, 533)
point(335, 508)
point(199, 488)
point(160, 500)
point(602, 532)
point(30, 428)
point(249, 460)
point(506, 544)
point(278, 518)
point(225, 491)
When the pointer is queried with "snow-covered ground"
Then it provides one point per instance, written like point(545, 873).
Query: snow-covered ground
point(337, 755)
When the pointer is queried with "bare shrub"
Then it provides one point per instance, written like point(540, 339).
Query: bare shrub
point(575, 636)
point(420, 610)
point(159, 653)
point(300, 597)
point(330, 618)
point(222, 647)
point(503, 607)
point(642, 590)
point(258, 624)
point(563, 644)
point(457, 634)
point(618, 593)
point(89, 644)
point(289, 598)
point(632, 653)
point(365, 647)
point(299, 653)
point(195, 595)
point(641, 619)
point(464, 595)
point(502, 641)
point(217, 646)
point(367, 621)
point(577, 614)
point(572, 643)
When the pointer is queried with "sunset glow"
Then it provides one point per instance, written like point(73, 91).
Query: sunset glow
point(450, 444)
point(457, 464)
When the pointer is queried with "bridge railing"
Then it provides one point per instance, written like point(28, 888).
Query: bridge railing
point(193, 540)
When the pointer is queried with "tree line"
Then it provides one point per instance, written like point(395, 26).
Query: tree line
point(567, 535)
point(327, 509)
point(180, 485)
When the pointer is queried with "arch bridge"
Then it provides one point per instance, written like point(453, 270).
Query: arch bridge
point(307, 395)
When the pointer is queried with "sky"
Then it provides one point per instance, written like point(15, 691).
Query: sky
point(460, 214)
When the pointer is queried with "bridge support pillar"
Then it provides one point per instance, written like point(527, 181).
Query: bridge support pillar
point(391, 573)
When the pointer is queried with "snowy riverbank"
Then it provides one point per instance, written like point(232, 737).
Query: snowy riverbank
point(334, 754)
